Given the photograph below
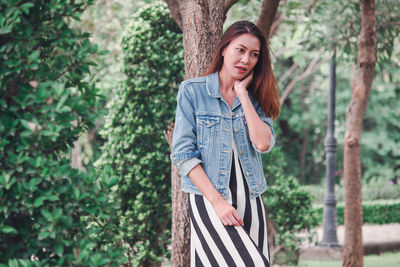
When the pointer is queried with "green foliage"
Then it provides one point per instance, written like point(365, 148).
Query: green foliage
point(49, 212)
point(376, 189)
point(106, 21)
point(374, 212)
point(135, 148)
point(307, 27)
point(291, 209)
point(322, 27)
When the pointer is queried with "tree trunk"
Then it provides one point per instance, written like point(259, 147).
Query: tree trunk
point(303, 151)
point(201, 25)
point(76, 159)
point(353, 246)
point(267, 16)
point(202, 28)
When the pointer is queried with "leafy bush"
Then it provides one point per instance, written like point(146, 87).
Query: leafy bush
point(50, 214)
point(371, 191)
point(290, 207)
point(374, 212)
point(135, 149)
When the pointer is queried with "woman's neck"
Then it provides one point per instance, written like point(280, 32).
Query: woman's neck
point(225, 81)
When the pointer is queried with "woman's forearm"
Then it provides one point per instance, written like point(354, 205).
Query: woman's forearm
point(259, 131)
point(203, 183)
point(225, 211)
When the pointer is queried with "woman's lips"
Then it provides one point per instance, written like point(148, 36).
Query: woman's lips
point(241, 70)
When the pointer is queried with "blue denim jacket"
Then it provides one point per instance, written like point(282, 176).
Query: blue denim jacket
point(205, 126)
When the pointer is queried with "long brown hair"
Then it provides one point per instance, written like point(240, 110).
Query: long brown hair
point(263, 87)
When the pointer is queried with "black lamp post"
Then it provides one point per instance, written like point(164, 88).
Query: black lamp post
point(329, 238)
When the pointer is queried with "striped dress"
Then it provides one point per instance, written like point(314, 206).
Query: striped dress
point(213, 244)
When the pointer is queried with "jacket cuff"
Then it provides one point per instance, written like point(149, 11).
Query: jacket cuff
point(271, 145)
point(186, 166)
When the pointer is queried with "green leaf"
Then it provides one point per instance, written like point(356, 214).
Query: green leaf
point(25, 7)
point(38, 202)
point(76, 192)
point(34, 66)
point(34, 55)
point(5, 29)
point(43, 235)
point(12, 263)
point(113, 181)
point(8, 230)
point(46, 214)
point(62, 101)
point(57, 213)
point(3, 103)
point(59, 249)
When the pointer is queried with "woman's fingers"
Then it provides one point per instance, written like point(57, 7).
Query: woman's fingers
point(233, 218)
point(228, 214)
point(238, 218)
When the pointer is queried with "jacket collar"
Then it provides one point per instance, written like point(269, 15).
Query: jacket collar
point(212, 84)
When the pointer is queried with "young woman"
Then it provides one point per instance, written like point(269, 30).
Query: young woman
point(223, 123)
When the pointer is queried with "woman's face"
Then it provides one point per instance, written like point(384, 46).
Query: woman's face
point(240, 56)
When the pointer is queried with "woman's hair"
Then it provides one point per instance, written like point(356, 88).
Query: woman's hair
point(263, 87)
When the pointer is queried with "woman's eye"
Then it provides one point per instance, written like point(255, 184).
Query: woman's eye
point(255, 54)
point(240, 49)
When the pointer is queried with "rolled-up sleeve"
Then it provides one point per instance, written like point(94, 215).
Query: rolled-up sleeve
point(185, 154)
point(269, 122)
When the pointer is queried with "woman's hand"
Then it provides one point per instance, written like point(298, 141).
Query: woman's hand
point(240, 86)
point(227, 213)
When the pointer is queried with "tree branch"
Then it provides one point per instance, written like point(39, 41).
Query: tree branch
point(173, 7)
point(228, 4)
point(288, 73)
point(312, 67)
point(266, 17)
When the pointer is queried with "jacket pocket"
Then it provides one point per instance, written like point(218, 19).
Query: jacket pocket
point(207, 129)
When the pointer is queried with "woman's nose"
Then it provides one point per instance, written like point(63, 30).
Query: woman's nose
point(245, 58)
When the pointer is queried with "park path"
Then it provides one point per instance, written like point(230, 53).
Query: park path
point(376, 239)
point(371, 233)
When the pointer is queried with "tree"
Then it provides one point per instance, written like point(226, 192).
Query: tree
point(201, 24)
point(49, 212)
point(134, 150)
point(361, 88)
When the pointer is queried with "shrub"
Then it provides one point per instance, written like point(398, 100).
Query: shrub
point(374, 212)
point(135, 148)
point(290, 207)
point(372, 190)
point(46, 206)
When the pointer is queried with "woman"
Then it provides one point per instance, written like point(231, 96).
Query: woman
point(223, 123)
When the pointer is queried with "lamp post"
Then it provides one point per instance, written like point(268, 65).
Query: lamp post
point(329, 238)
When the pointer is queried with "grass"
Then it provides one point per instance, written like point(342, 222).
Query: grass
point(387, 259)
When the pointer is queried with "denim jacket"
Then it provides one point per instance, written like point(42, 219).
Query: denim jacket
point(205, 126)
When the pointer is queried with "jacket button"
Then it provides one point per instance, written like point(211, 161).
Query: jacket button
point(247, 174)
point(236, 130)
point(233, 114)
point(241, 152)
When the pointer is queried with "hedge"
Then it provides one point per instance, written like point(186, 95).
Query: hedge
point(50, 214)
point(135, 149)
point(374, 212)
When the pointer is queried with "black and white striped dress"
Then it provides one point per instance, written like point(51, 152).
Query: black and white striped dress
point(213, 244)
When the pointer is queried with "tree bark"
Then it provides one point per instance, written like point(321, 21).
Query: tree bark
point(266, 17)
point(175, 12)
point(201, 24)
point(353, 246)
point(303, 151)
point(228, 4)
